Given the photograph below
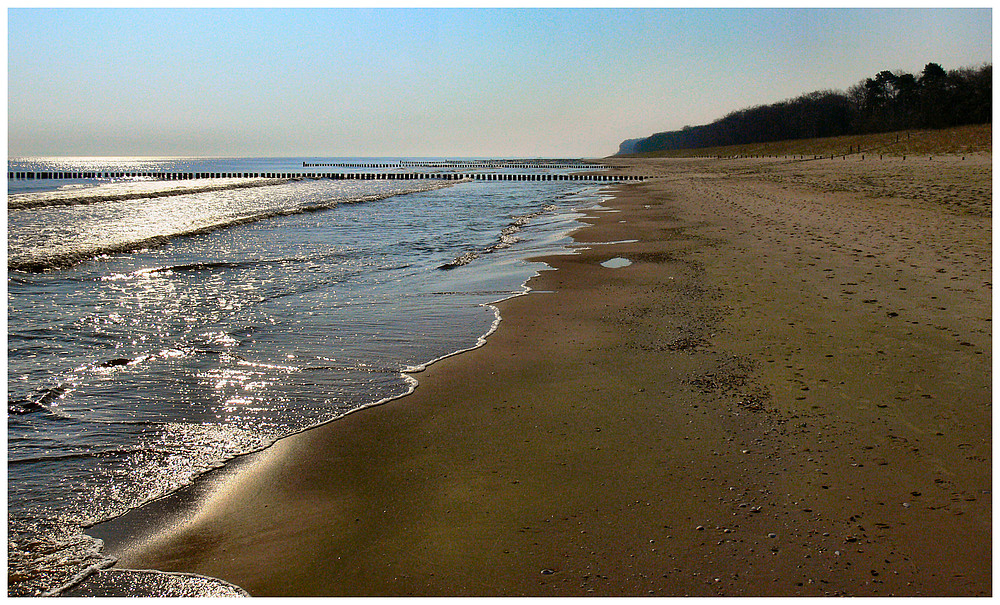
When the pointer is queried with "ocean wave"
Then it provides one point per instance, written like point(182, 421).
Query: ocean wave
point(209, 266)
point(45, 554)
point(69, 456)
point(39, 262)
point(47, 395)
point(79, 197)
point(506, 239)
point(146, 583)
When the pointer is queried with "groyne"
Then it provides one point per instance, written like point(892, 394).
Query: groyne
point(448, 176)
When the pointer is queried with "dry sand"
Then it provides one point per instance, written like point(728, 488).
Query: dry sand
point(787, 392)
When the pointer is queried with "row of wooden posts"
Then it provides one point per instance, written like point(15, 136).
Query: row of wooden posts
point(455, 164)
point(448, 176)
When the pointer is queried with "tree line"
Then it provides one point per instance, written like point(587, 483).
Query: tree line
point(889, 101)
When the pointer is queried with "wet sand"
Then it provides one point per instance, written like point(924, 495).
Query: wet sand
point(788, 392)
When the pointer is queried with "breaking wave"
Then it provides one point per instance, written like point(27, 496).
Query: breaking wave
point(64, 254)
point(82, 197)
point(507, 238)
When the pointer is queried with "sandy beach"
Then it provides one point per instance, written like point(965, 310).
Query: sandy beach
point(787, 392)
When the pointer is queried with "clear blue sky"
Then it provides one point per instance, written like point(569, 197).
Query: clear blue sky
point(436, 81)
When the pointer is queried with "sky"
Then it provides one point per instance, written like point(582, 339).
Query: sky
point(436, 82)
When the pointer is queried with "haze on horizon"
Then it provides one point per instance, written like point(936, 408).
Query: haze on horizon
point(436, 82)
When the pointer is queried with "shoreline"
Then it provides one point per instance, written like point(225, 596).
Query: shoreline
point(757, 405)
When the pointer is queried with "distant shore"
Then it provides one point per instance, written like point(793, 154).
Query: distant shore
point(786, 392)
point(959, 140)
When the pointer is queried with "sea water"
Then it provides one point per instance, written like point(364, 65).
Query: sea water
point(158, 329)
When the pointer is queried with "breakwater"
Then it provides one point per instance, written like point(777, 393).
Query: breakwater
point(449, 176)
point(494, 164)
